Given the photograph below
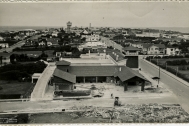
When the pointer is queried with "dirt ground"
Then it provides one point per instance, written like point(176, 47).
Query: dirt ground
point(144, 113)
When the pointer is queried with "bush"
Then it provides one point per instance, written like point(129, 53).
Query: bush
point(22, 118)
point(17, 71)
point(154, 62)
point(165, 57)
point(187, 56)
point(157, 57)
point(177, 62)
point(13, 75)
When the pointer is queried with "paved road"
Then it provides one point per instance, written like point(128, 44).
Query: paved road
point(179, 89)
point(40, 87)
point(38, 106)
point(18, 44)
point(109, 42)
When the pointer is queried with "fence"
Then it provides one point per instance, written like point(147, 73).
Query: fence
point(169, 69)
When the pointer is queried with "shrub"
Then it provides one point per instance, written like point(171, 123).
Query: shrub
point(22, 118)
point(16, 71)
point(177, 62)
point(157, 57)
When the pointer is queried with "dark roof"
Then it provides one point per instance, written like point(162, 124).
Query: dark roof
point(131, 48)
point(63, 63)
point(127, 73)
point(65, 75)
point(93, 70)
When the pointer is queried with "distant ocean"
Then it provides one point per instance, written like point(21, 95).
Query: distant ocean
point(17, 28)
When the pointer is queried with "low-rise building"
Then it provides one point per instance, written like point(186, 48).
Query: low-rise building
point(172, 50)
point(52, 41)
point(4, 44)
point(153, 49)
point(148, 33)
point(71, 71)
point(131, 50)
point(90, 37)
point(2, 39)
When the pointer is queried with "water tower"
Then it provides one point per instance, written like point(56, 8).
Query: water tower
point(69, 24)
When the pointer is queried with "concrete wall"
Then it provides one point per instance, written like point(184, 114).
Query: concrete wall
point(132, 61)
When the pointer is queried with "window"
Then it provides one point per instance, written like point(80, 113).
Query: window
point(171, 49)
point(151, 48)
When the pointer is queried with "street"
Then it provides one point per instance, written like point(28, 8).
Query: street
point(109, 42)
point(179, 89)
point(19, 44)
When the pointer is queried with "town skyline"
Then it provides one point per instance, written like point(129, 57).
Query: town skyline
point(98, 14)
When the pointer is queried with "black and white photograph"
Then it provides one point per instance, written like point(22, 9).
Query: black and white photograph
point(94, 62)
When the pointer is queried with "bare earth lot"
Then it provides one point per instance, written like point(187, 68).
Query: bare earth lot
point(145, 113)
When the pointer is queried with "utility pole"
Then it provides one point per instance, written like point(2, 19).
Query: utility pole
point(166, 65)
point(177, 71)
point(159, 75)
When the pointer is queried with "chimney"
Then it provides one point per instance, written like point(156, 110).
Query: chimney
point(119, 68)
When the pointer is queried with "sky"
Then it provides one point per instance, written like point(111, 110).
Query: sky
point(99, 14)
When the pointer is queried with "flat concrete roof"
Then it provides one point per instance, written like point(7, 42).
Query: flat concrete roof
point(88, 61)
point(36, 75)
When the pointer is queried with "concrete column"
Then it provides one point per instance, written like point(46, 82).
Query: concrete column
point(125, 86)
point(32, 79)
point(106, 79)
point(142, 85)
point(96, 79)
point(83, 79)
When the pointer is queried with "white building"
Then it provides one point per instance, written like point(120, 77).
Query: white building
point(173, 51)
point(55, 34)
point(89, 36)
point(149, 33)
point(124, 32)
point(2, 39)
point(4, 45)
point(186, 36)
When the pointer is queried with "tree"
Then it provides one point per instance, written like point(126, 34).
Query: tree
point(43, 56)
point(36, 44)
point(1, 60)
point(184, 50)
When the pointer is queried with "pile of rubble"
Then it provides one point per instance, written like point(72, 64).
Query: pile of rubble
point(148, 113)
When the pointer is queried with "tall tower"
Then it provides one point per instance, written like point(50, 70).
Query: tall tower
point(69, 24)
